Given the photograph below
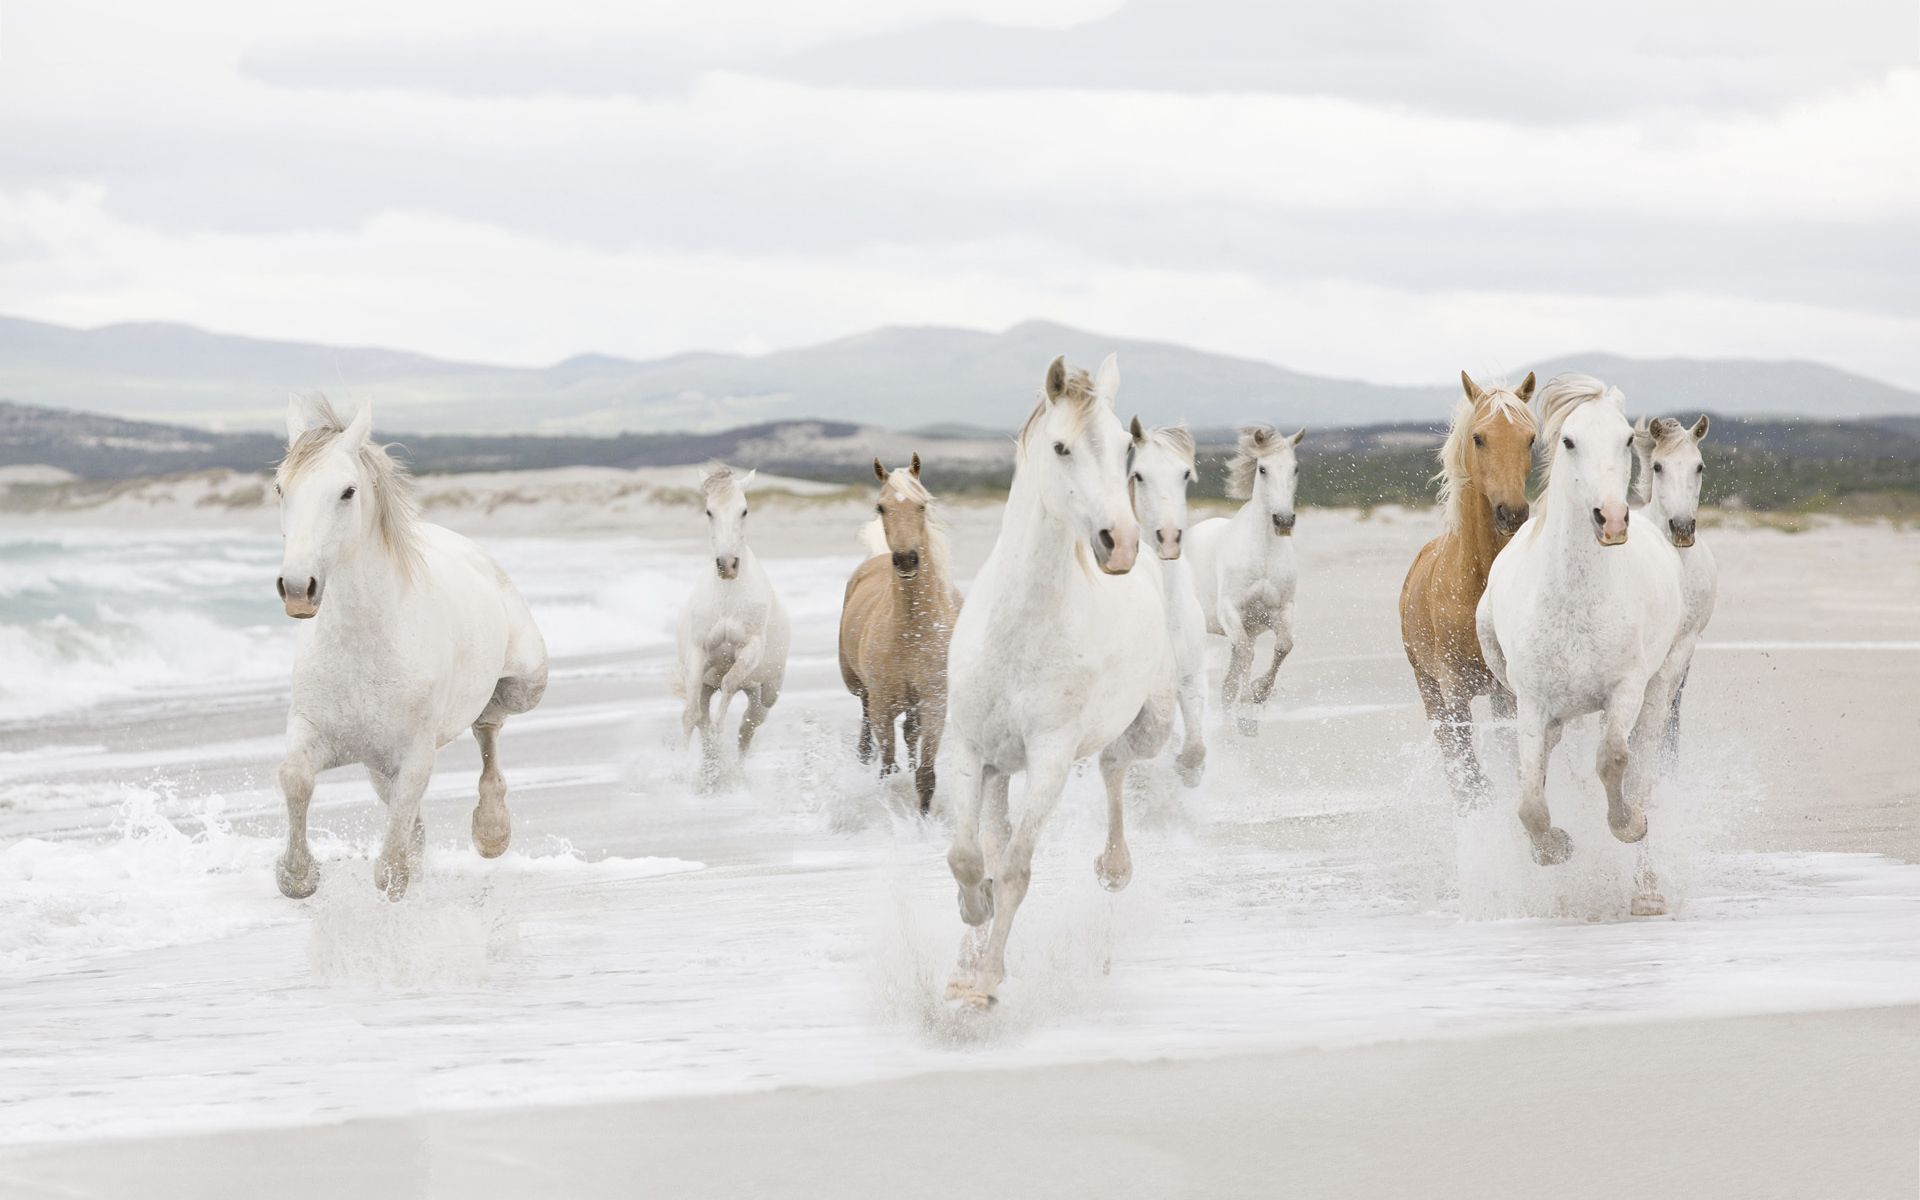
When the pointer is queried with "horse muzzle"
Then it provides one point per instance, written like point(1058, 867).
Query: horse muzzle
point(1610, 524)
point(1116, 554)
point(1507, 519)
point(1681, 533)
point(302, 600)
point(1167, 542)
point(1283, 524)
point(906, 565)
point(727, 566)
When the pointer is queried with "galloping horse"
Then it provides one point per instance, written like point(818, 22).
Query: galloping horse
point(1668, 489)
point(733, 632)
point(412, 634)
point(1243, 566)
point(1577, 619)
point(1484, 465)
point(895, 623)
point(1161, 463)
point(1060, 652)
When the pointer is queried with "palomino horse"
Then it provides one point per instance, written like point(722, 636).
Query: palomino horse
point(733, 630)
point(412, 635)
point(1668, 494)
point(1484, 465)
point(895, 624)
point(1160, 463)
point(1060, 652)
point(1243, 565)
point(1576, 618)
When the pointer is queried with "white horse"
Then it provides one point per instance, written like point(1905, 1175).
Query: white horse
point(733, 630)
point(1061, 652)
point(412, 634)
point(1243, 566)
point(1668, 490)
point(1161, 462)
point(1577, 619)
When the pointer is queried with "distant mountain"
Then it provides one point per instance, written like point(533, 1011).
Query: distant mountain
point(893, 378)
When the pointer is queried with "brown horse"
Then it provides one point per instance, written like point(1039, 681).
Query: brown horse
point(894, 627)
point(1484, 465)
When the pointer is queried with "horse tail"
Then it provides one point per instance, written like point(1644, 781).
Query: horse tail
point(873, 537)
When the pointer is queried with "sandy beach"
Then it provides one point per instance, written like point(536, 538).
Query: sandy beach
point(1323, 981)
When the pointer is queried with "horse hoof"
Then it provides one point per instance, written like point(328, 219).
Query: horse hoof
point(1115, 874)
point(1649, 904)
point(966, 995)
point(1634, 829)
point(976, 903)
point(490, 836)
point(1553, 847)
point(391, 878)
point(1193, 769)
point(297, 884)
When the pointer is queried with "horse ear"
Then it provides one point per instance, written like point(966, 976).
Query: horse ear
point(299, 417)
point(1524, 391)
point(879, 472)
point(748, 480)
point(1473, 389)
point(1700, 428)
point(360, 429)
point(915, 468)
point(1056, 378)
point(1295, 439)
point(1139, 434)
point(1106, 383)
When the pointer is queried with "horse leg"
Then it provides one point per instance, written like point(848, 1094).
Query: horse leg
point(1505, 711)
point(885, 711)
point(1450, 713)
point(994, 833)
point(1538, 735)
point(755, 715)
point(864, 749)
point(964, 857)
point(1114, 867)
point(296, 872)
point(930, 721)
point(401, 791)
point(1282, 646)
point(1625, 815)
point(1192, 698)
point(1239, 658)
point(1670, 741)
point(492, 825)
point(1046, 779)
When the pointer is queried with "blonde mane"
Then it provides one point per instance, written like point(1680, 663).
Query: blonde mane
point(1256, 442)
point(715, 480)
point(1560, 399)
point(1079, 397)
point(396, 517)
point(1500, 401)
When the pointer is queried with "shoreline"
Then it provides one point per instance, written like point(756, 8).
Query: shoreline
point(1800, 1104)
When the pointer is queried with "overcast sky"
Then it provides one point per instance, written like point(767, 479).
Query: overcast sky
point(1379, 189)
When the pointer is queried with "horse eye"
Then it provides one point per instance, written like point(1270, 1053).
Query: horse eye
point(1701, 469)
point(347, 495)
point(1186, 476)
point(1479, 441)
point(1263, 470)
point(881, 509)
point(1530, 441)
point(743, 514)
point(1657, 470)
point(1567, 442)
point(1139, 478)
point(709, 512)
point(1060, 448)
point(276, 489)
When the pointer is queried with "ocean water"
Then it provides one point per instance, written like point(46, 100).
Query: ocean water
point(650, 935)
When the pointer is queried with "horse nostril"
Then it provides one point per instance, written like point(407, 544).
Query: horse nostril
point(313, 587)
point(1178, 534)
point(1597, 518)
point(280, 585)
point(1106, 538)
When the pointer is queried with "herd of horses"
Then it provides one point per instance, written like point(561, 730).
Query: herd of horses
point(1070, 644)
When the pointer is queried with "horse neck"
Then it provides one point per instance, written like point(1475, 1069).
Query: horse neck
point(1035, 551)
point(1571, 552)
point(364, 588)
point(1475, 532)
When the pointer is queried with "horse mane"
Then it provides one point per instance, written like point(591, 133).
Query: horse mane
point(1256, 442)
point(1501, 401)
point(1559, 399)
point(1079, 397)
point(1176, 440)
point(716, 478)
point(873, 534)
point(396, 516)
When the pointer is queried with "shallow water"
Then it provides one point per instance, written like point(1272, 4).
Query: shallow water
point(796, 924)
